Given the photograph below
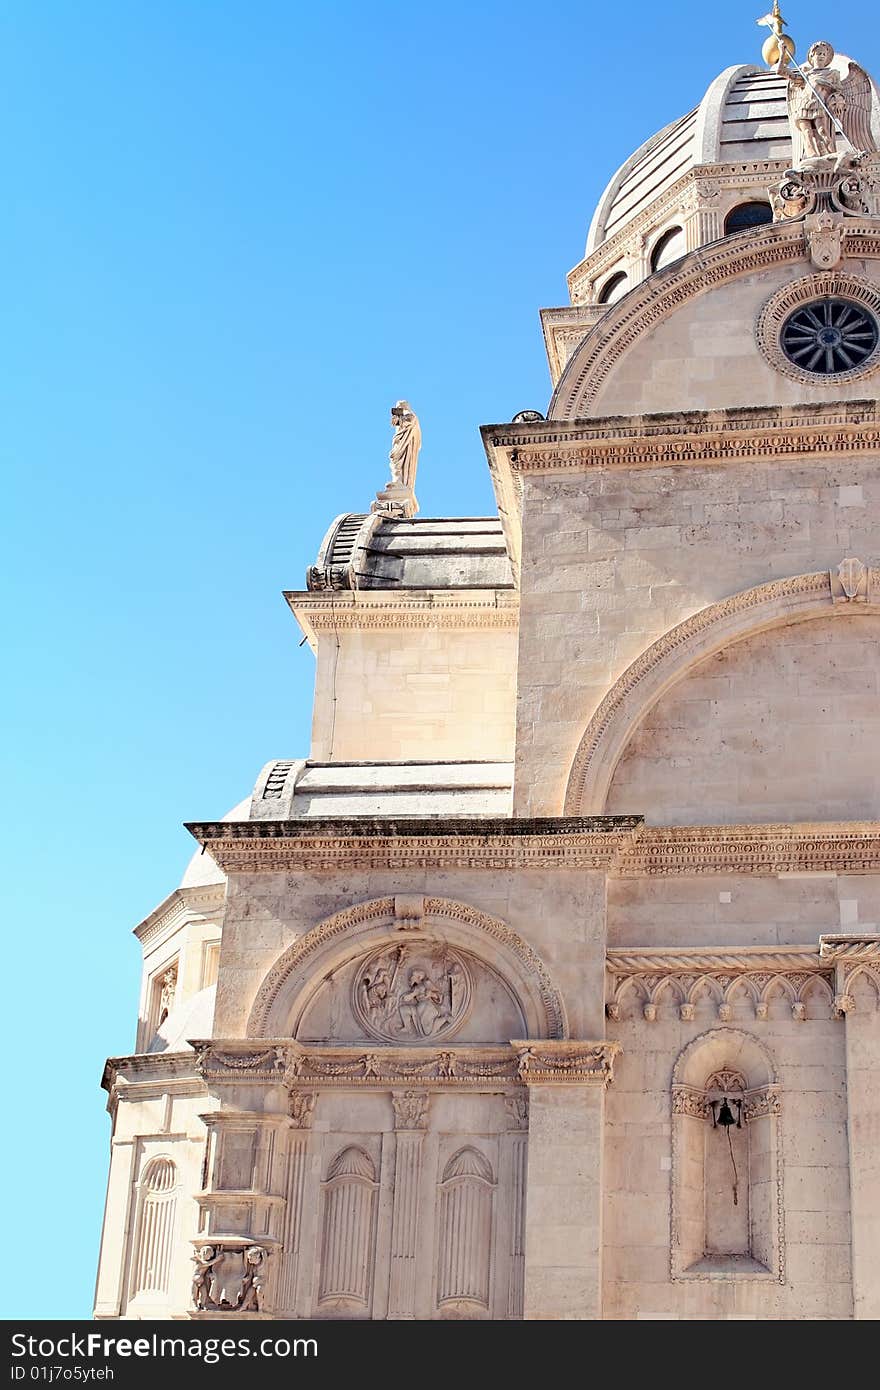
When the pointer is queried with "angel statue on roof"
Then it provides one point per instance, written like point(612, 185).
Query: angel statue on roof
point(829, 97)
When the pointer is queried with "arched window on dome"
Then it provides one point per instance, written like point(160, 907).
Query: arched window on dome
point(615, 288)
point(669, 247)
point(753, 214)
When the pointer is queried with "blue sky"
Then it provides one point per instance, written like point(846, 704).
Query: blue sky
point(232, 234)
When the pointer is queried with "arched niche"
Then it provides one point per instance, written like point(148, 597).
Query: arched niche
point(679, 652)
point(727, 1201)
point(487, 976)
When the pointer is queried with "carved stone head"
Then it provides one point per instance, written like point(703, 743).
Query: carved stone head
point(821, 54)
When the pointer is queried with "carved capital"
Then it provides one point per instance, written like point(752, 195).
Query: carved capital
point(301, 1106)
point(410, 1109)
point(517, 1108)
point(763, 1101)
point(843, 1004)
point(688, 1100)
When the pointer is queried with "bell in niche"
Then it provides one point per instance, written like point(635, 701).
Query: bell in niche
point(723, 1115)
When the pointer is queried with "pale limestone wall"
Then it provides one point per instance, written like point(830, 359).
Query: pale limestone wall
point(784, 726)
point(704, 356)
point(810, 1060)
point(419, 693)
point(740, 910)
point(166, 1126)
point(813, 1074)
point(613, 558)
point(560, 915)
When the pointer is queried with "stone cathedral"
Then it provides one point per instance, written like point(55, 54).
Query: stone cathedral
point(546, 986)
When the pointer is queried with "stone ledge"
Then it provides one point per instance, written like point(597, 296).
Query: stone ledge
point(622, 845)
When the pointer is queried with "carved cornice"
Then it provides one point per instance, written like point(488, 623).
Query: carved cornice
point(578, 842)
point(779, 434)
point(358, 610)
point(180, 906)
point(860, 946)
point(635, 851)
point(567, 1063)
point(655, 960)
point(694, 1102)
point(851, 847)
point(304, 1068)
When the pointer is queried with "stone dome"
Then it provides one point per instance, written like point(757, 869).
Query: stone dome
point(702, 177)
point(741, 118)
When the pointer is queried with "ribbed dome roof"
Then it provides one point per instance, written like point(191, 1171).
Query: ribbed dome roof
point(741, 118)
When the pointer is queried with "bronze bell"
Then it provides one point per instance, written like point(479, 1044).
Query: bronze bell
point(726, 1116)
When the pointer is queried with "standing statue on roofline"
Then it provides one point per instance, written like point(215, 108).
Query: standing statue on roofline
point(829, 98)
point(398, 497)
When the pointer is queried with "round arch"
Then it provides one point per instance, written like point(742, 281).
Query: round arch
point(728, 1048)
point(302, 968)
point(671, 657)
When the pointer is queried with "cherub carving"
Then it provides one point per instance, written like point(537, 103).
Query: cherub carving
point(204, 1259)
point(253, 1287)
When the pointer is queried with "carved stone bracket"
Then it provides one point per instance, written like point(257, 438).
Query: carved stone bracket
point(565, 1063)
point(695, 1101)
point(230, 1276)
point(829, 189)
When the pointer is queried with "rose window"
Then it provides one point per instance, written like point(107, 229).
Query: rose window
point(829, 335)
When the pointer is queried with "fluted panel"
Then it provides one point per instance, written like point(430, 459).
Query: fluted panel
point(297, 1167)
point(346, 1246)
point(465, 1229)
point(404, 1226)
point(152, 1262)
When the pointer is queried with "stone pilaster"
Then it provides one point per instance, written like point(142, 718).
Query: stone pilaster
point(298, 1167)
point(563, 1226)
point(857, 967)
point(517, 1155)
point(410, 1124)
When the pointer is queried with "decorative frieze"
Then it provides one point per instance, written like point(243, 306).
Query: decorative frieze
point(721, 980)
point(632, 849)
point(357, 610)
point(389, 1067)
point(565, 1063)
point(270, 846)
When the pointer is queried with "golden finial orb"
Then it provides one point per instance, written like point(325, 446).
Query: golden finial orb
point(777, 43)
